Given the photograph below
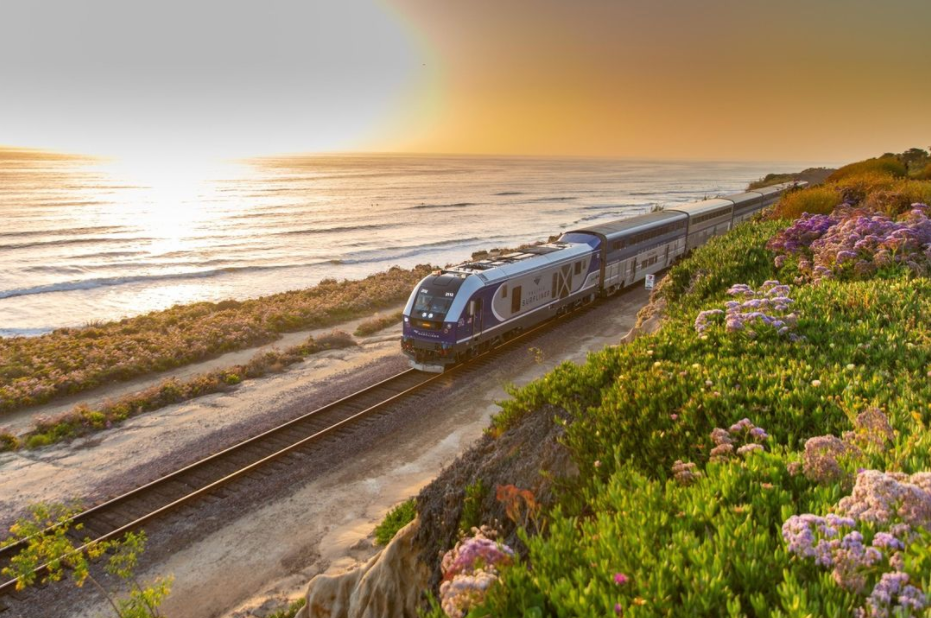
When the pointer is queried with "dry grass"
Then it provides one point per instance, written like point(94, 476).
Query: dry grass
point(38, 369)
point(377, 323)
point(813, 200)
point(82, 419)
point(885, 165)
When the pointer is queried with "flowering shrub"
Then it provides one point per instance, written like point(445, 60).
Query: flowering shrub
point(34, 370)
point(853, 244)
point(725, 440)
point(763, 309)
point(469, 570)
point(892, 505)
point(645, 418)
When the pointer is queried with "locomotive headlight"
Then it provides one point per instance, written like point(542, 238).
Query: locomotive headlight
point(430, 315)
point(406, 319)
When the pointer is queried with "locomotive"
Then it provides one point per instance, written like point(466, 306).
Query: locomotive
point(463, 310)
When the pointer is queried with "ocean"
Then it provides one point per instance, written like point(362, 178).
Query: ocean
point(87, 240)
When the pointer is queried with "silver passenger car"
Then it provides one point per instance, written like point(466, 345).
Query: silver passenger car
point(706, 219)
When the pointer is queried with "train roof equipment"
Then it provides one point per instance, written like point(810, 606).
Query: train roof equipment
point(694, 209)
point(517, 262)
point(622, 227)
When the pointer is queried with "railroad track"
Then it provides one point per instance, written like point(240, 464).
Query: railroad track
point(266, 453)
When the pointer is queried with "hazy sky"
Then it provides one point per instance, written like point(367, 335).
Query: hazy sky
point(828, 80)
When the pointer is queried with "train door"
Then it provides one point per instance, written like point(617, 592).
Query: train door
point(477, 317)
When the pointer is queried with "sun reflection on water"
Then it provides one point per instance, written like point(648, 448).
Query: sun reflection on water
point(168, 201)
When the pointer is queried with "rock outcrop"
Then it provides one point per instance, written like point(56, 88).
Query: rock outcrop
point(389, 585)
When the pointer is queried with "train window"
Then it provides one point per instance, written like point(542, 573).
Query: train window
point(504, 291)
point(515, 299)
point(578, 268)
point(555, 282)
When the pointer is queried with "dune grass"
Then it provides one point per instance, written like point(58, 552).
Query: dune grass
point(36, 370)
point(884, 165)
point(377, 323)
point(83, 419)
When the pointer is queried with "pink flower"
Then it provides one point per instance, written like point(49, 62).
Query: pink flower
point(620, 579)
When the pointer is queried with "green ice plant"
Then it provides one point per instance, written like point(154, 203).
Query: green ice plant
point(48, 545)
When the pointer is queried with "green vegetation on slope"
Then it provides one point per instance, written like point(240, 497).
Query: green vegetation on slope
point(397, 518)
point(682, 507)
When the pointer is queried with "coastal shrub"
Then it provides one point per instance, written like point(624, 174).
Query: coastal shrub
point(769, 180)
point(854, 188)
point(681, 497)
point(51, 540)
point(472, 506)
point(855, 244)
point(8, 440)
point(291, 611)
point(377, 323)
point(81, 420)
point(397, 518)
point(899, 197)
point(884, 165)
point(814, 200)
point(35, 370)
point(925, 173)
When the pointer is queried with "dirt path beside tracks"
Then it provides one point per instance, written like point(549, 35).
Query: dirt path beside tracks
point(20, 421)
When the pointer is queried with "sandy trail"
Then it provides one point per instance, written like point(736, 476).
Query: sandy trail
point(152, 444)
point(269, 546)
point(20, 421)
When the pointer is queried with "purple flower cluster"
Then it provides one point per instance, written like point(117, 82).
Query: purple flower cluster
point(765, 308)
point(684, 472)
point(833, 544)
point(892, 503)
point(890, 497)
point(894, 596)
point(823, 458)
point(872, 431)
point(856, 243)
point(743, 431)
point(469, 569)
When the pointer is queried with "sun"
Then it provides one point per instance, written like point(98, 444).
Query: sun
point(168, 199)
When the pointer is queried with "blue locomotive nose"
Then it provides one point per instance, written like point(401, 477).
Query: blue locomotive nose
point(430, 322)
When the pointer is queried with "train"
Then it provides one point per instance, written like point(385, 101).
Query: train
point(461, 311)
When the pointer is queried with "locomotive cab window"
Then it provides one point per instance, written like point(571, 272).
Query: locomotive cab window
point(504, 291)
point(515, 299)
point(578, 268)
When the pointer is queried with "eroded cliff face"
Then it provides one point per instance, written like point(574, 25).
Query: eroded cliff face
point(389, 585)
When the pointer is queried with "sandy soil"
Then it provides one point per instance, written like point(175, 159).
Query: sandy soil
point(147, 446)
point(21, 421)
point(268, 539)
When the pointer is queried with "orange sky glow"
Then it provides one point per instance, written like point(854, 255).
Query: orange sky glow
point(812, 80)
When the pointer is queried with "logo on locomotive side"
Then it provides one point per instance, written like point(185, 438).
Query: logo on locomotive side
point(537, 295)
